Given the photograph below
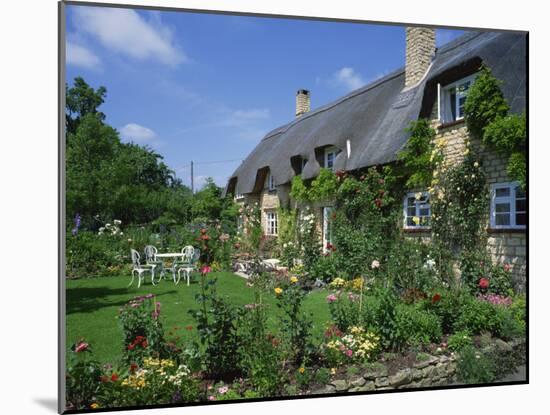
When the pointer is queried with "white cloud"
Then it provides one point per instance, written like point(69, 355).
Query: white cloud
point(348, 78)
point(137, 133)
point(80, 56)
point(126, 32)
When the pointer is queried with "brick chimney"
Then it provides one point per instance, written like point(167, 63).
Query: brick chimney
point(419, 54)
point(302, 102)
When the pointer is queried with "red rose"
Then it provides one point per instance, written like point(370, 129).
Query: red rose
point(133, 367)
point(131, 346)
point(483, 283)
point(114, 377)
point(144, 344)
point(436, 298)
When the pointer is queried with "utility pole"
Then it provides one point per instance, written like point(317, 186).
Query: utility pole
point(192, 179)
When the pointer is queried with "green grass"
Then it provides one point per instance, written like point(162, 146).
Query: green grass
point(93, 304)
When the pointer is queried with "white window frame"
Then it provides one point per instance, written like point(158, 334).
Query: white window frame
point(330, 151)
point(271, 224)
point(239, 196)
point(327, 211)
point(270, 182)
point(511, 199)
point(444, 96)
point(418, 205)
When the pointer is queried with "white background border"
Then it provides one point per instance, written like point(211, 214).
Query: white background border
point(28, 235)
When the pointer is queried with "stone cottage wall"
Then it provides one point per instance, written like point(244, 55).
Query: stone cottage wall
point(504, 246)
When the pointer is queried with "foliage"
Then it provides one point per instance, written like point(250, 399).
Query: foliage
point(287, 236)
point(217, 321)
point(459, 341)
point(308, 238)
point(418, 156)
point(344, 309)
point(324, 186)
point(81, 100)
point(364, 224)
point(82, 377)
point(294, 322)
point(448, 305)
point(299, 190)
point(486, 113)
point(324, 268)
point(473, 366)
point(260, 352)
point(414, 326)
point(143, 334)
point(484, 103)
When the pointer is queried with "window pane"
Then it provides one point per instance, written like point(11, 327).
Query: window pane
point(410, 221)
point(502, 207)
point(521, 205)
point(411, 211)
point(424, 221)
point(461, 102)
point(411, 201)
point(502, 192)
point(520, 194)
point(502, 219)
point(521, 219)
point(453, 106)
point(424, 211)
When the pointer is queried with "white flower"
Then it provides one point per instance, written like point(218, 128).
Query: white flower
point(476, 164)
point(375, 264)
point(117, 222)
point(101, 229)
point(418, 195)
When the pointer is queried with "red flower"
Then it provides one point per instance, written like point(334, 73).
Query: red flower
point(144, 344)
point(378, 203)
point(81, 347)
point(483, 283)
point(114, 377)
point(133, 367)
point(436, 298)
point(131, 346)
point(205, 270)
point(205, 237)
point(329, 246)
point(203, 231)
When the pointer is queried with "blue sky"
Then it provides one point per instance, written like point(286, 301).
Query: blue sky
point(208, 87)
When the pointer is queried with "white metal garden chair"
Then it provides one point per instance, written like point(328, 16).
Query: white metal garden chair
point(190, 257)
point(151, 260)
point(139, 269)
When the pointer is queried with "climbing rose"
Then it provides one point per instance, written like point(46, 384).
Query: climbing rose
point(483, 283)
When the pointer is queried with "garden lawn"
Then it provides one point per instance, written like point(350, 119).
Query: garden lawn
point(93, 305)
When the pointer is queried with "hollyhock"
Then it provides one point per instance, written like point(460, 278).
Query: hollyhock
point(483, 283)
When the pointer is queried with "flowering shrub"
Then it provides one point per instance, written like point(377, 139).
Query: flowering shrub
point(344, 309)
point(495, 299)
point(356, 346)
point(459, 340)
point(142, 329)
point(82, 377)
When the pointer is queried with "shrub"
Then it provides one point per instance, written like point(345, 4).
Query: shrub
point(448, 305)
point(82, 377)
point(506, 134)
point(344, 309)
point(324, 268)
point(414, 326)
point(473, 366)
point(143, 334)
point(459, 340)
point(408, 267)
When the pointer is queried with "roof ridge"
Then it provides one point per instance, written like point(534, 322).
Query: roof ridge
point(365, 88)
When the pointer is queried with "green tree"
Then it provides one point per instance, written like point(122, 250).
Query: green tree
point(81, 100)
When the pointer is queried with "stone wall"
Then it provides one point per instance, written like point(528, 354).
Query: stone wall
point(432, 371)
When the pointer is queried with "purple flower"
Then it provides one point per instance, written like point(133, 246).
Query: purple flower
point(77, 220)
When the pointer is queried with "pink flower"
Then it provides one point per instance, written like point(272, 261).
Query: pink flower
point(331, 298)
point(205, 270)
point(349, 353)
point(483, 283)
point(507, 267)
point(223, 390)
point(81, 347)
point(211, 398)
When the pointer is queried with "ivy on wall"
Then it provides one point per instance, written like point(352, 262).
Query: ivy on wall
point(487, 117)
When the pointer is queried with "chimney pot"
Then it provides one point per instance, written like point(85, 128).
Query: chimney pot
point(419, 53)
point(302, 102)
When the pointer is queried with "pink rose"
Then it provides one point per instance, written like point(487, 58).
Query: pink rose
point(81, 347)
point(349, 353)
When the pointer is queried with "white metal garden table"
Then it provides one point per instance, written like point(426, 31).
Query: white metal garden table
point(175, 255)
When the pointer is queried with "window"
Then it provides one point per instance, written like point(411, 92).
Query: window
point(508, 206)
point(417, 210)
point(327, 227)
point(452, 99)
point(330, 156)
point(271, 223)
point(270, 182)
point(239, 196)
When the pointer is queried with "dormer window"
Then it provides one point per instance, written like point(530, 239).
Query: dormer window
point(330, 157)
point(452, 99)
point(270, 182)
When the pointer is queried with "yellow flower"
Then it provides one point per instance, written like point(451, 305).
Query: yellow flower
point(278, 291)
point(94, 405)
point(302, 370)
point(333, 371)
point(416, 219)
point(293, 279)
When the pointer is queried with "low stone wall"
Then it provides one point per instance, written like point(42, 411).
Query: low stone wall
point(432, 372)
